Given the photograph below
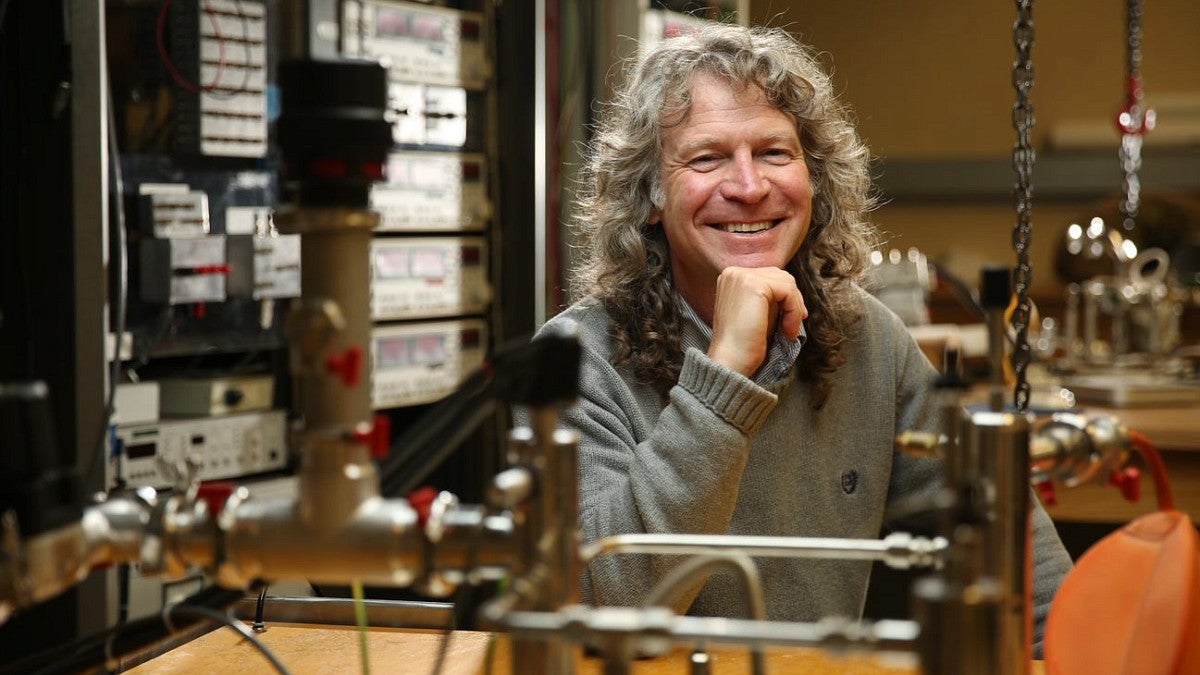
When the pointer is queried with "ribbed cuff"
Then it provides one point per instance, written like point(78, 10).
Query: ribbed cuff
point(731, 395)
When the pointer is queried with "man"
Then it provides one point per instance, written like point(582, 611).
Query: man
point(735, 378)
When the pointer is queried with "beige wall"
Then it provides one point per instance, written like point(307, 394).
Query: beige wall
point(931, 80)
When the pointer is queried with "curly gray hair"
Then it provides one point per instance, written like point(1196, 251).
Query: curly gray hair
point(626, 262)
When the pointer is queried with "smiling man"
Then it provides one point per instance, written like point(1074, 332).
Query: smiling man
point(736, 209)
point(736, 380)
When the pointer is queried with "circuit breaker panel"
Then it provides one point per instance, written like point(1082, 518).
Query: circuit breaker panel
point(218, 57)
point(202, 281)
point(430, 280)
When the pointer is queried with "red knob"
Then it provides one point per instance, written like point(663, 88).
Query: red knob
point(1128, 481)
point(215, 493)
point(377, 438)
point(1047, 492)
point(347, 366)
point(421, 500)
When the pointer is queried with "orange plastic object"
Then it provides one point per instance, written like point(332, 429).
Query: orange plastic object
point(1131, 606)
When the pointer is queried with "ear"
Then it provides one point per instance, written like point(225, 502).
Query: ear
point(655, 216)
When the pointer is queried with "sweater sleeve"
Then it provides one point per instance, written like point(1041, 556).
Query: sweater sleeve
point(915, 481)
point(1051, 563)
point(649, 468)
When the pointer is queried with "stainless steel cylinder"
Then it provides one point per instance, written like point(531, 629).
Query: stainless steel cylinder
point(334, 256)
point(554, 516)
point(995, 449)
point(336, 476)
point(330, 335)
point(957, 620)
point(381, 544)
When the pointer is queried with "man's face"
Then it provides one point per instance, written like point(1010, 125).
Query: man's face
point(736, 185)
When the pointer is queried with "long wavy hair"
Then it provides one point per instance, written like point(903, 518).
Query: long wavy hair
point(626, 265)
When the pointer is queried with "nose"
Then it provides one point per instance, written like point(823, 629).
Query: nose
point(744, 181)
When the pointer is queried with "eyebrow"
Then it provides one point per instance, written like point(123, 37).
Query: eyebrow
point(783, 138)
point(709, 141)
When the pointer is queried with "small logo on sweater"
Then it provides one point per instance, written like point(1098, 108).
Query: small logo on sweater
point(850, 481)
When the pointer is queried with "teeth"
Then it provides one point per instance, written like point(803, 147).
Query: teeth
point(747, 227)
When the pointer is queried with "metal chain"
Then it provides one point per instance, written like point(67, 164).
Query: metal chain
point(1023, 158)
point(1134, 121)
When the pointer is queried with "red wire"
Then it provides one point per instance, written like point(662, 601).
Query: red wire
point(166, 57)
point(1158, 469)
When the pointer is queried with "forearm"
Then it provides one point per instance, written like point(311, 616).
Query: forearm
point(672, 471)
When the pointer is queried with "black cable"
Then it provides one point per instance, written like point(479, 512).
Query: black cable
point(259, 626)
point(447, 634)
point(214, 615)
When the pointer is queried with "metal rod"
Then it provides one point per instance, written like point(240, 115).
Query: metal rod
point(917, 549)
point(540, 168)
point(891, 636)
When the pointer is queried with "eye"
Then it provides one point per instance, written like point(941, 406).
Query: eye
point(704, 162)
point(778, 155)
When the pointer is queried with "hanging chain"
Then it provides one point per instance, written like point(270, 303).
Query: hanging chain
point(1023, 157)
point(1133, 121)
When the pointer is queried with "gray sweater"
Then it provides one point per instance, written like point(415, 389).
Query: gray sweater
point(723, 455)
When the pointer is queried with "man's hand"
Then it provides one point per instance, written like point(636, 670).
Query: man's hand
point(750, 301)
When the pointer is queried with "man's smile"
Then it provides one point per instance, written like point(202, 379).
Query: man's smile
point(747, 227)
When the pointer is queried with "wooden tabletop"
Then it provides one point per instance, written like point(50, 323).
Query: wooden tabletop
point(334, 650)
